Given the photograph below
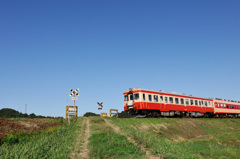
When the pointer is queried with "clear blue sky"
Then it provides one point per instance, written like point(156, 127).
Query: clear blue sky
point(105, 47)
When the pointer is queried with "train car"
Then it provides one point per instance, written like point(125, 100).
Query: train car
point(143, 102)
point(226, 108)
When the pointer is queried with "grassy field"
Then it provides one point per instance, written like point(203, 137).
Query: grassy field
point(185, 138)
point(54, 142)
point(26, 126)
point(99, 138)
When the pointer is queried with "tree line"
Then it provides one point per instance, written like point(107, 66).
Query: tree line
point(11, 113)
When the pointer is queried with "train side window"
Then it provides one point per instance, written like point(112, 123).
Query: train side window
point(131, 97)
point(125, 98)
point(191, 102)
point(224, 105)
point(221, 105)
point(170, 99)
point(161, 98)
point(149, 98)
point(227, 105)
point(136, 96)
point(205, 103)
point(230, 106)
point(166, 99)
point(187, 101)
point(202, 102)
point(209, 103)
point(155, 98)
point(182, 101)
point(176, 101)
point(196, 103)
point(143, 97)
point(199, 103)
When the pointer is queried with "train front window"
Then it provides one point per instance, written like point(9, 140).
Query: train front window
point(131, 97)
point(125, 98)
point(136, 96)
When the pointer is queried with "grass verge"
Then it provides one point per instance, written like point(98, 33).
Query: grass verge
point(51, 143)
point(105, 143)
point(220, 137)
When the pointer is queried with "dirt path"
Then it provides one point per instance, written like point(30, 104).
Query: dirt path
point(81, 146)
point(117, 130)
point(85, 150)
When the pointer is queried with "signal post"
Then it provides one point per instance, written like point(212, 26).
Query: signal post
point(71, 111)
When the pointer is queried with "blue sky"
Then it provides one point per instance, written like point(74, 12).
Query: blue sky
point(106, 47)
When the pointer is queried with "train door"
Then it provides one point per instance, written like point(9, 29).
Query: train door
point(144, 103)
point(204, 106)
point(161, 103)
point(130, 102)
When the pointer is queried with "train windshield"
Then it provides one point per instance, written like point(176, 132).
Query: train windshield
point(125, 98)
point(131, 97)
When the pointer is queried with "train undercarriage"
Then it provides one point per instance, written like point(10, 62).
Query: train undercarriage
point(180, 114)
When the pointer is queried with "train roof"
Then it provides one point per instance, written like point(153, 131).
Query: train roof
point(176, 93)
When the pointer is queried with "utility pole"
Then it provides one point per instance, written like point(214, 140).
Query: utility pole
point(67, 99)
point(25, 108)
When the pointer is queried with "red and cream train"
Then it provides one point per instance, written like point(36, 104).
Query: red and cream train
point(145, 102)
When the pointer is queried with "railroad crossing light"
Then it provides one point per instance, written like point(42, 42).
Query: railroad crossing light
point(78, 89)
point(70, 89)
point(77, 94)
point(70, 95)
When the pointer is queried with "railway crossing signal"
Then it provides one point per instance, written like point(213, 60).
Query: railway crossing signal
point(71, 111)
point(100, 104)
point(74, 92)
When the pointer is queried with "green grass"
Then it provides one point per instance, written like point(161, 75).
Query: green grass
point(105, 143)
point(164, 137)
point(52, 143)
point(186, 138)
